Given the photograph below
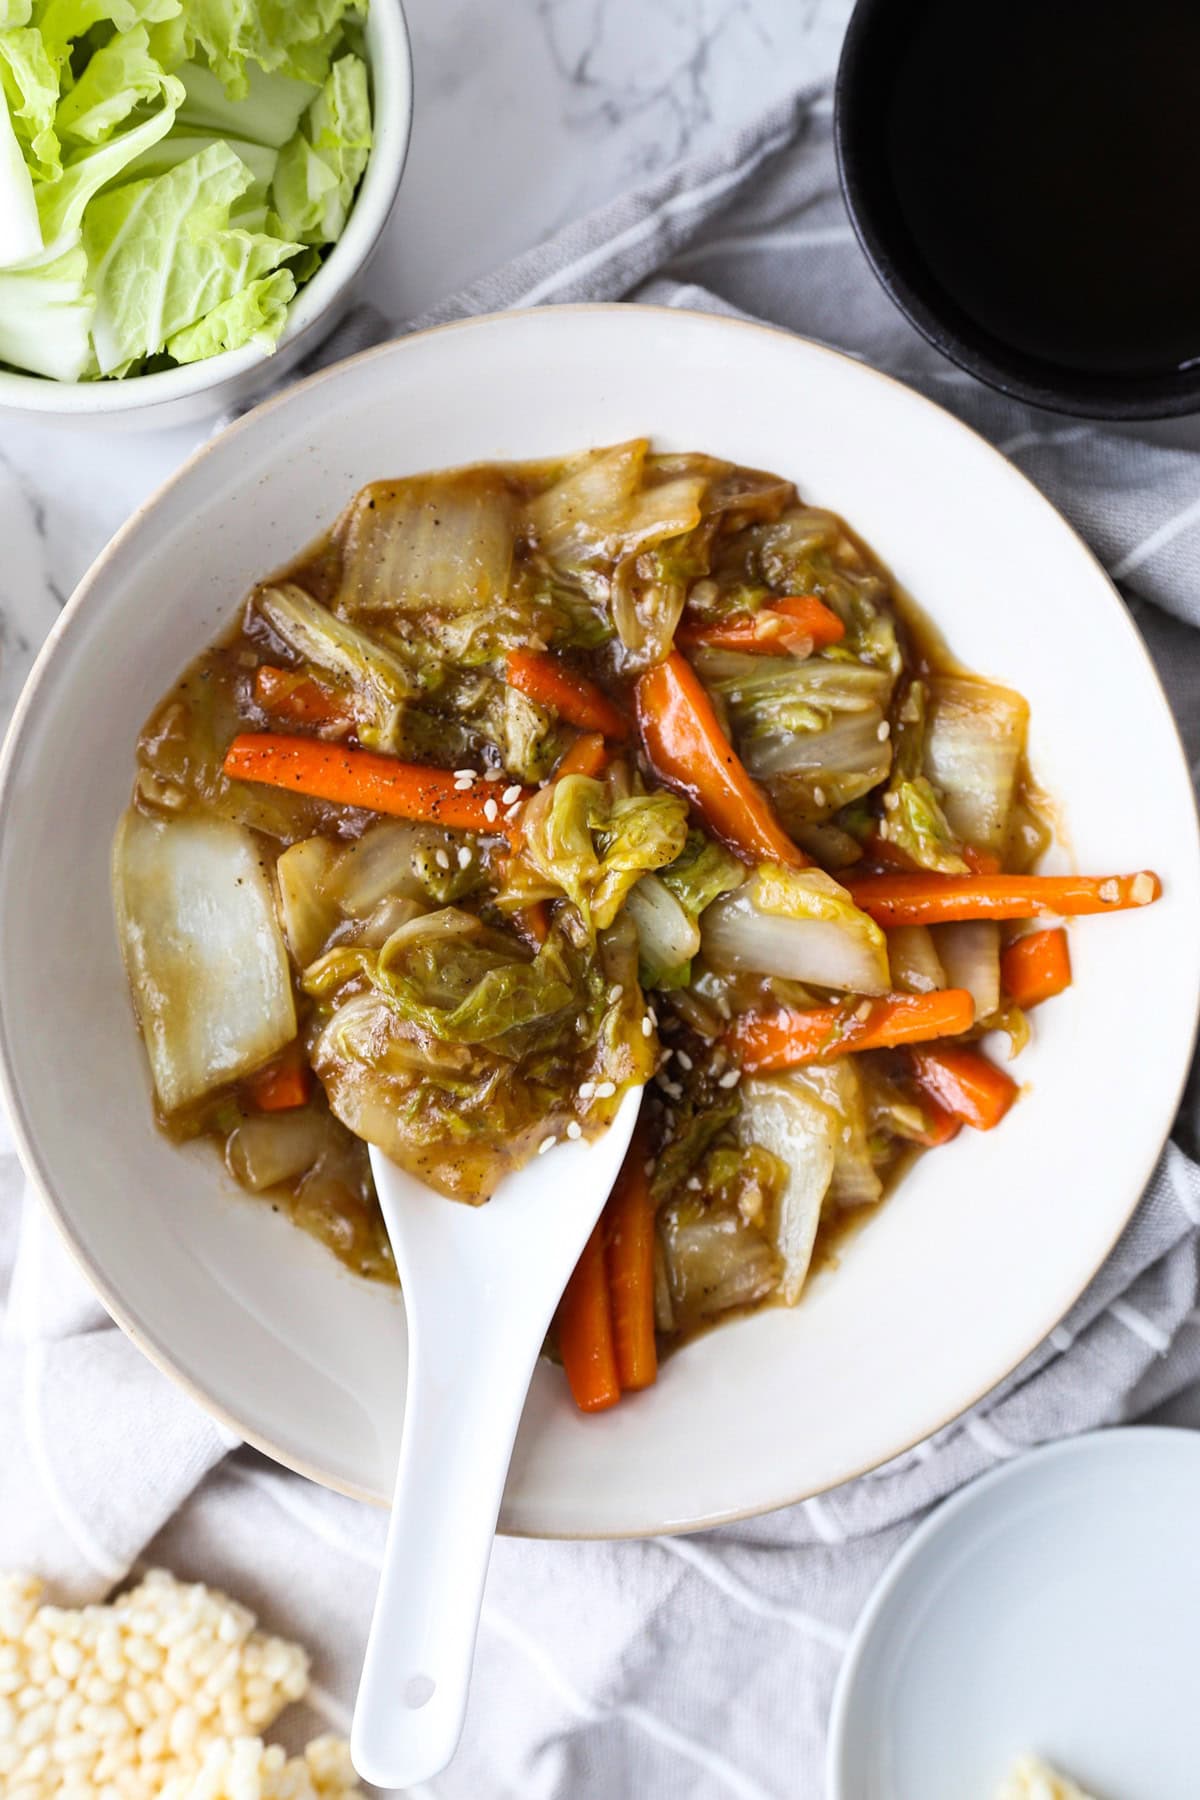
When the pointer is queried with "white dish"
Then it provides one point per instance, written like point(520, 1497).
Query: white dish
point(199, 390)
point(1051, 1607)
point(941, 1294)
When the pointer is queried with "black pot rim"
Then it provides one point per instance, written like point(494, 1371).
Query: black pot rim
point(1057, 389)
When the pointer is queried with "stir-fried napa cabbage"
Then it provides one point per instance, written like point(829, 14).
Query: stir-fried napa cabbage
point(580, 841)
point(501, 800)
point(799, 924)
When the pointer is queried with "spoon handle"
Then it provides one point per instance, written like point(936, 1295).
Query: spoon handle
point(467, 1383)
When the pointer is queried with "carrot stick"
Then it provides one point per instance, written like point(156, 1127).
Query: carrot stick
point(787, 1038)
point(689, 752)
point(629, 1220)
point(585, 1332)
point(1036, 967)
point(980, 862)
point(964, 1082)
point(587, 756)
point(940, 1126)
point(942, 899)
point(279, 1087)
point(797, 622)
point(533, 922)
point(361, 778)
point(543, 678)
point(290, 695)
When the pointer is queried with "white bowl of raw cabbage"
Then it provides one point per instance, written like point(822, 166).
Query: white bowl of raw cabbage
point(188, 193)
point(983, 1245)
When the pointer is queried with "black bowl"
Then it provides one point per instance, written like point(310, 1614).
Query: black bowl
point(871, 66)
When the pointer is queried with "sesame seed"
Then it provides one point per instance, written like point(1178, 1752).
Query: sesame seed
point(647, 1027)
point(884, 732)
point(1141, 890)
point(574, 1130)
point(671, 1088)
point(586, 1089)
point(461, 786)
point(884, 830)
point(491, 811)
point(1110, 890)
point(730, 1078)
point(494, 775)
point(685, 1061)
point(863, 1010)
point(511, 793)
point(547, 1143)
point(695, 1183)
point(723, 1007)
point(819, 796)
point(891, 801)
point(464, 775)
point(442, 859)
point(464, 858)
point(847, 1134)
point(652, 1015)
point(605, 1090)
point(511, 813)
point(615, 991)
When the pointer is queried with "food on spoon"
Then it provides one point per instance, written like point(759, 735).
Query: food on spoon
point(533, 782)
point(170, 175)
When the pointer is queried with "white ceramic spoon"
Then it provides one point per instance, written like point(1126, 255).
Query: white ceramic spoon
point(480, 1288)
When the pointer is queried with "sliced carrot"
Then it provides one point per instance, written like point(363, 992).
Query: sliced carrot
point(629, 1224)
point(980, 862)
point(942, 899)
point(797, 622)
point(586, 756)
point(788, 1037)
point(689, 751)
point(281, 1086)
point(1036, 967)
point(362, 778)
point(289, 694)
point(940, 1126)
point(585, 1330)
point(533, 922)
point(544, 678)
point(965, 1083)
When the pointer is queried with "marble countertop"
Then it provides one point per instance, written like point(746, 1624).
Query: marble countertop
point(527, 115)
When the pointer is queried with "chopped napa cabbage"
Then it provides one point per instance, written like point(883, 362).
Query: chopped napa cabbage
point(286, 37)
point(699, 1120)
point(254, 315)
point(443, 542)
point(716, 1259)
point(785, 1118)
point(379, 680)
point(308, 911)
point(65, 202)
point(914, 960)
point(143, 296)
point(809, 552)
point(266, 1149)
point(970, 954)
point(46, 315)
point(668, 937)
point(702, 872)
point(801, 925)
point(118, 77)
point(203, 952)
point(973, 749)
point(450, 975)
point(462, 1053)
point(838, 1085)
point(28, 98)
point(593, 848)
point(913, 818)
point(268, 114)
point(321, 166)
point(809, 727)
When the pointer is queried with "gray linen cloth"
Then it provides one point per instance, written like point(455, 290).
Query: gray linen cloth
point(686, 1668)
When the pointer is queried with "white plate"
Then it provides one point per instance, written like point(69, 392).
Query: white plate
point(983, 1247)
point(1052, 1607)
